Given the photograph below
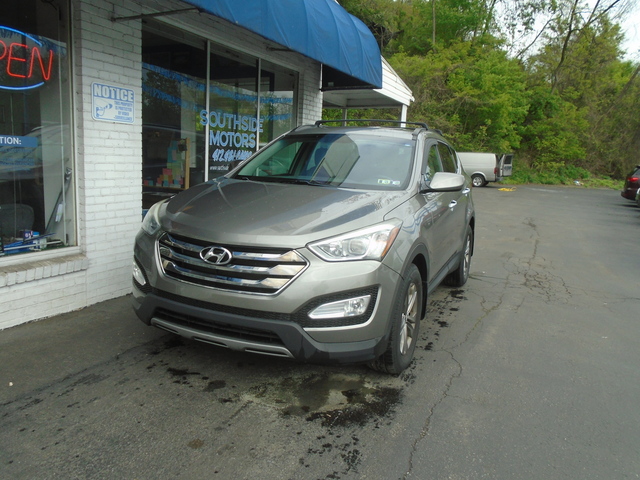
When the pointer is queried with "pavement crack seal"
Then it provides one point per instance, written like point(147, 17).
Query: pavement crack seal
point(486, 311)
point(427, 424)
point(445, 393)
point(536, 276)
point(534, 272)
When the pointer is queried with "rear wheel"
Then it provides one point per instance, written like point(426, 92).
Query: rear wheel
point(460, 275)
point(405, 327)
point(478, 181)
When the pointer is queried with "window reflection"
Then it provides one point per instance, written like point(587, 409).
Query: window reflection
point(173, 94)
point(200, 124)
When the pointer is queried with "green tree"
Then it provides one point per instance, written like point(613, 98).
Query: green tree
point(554, 130)
point(546, 78)
point(579, 84)
point(476, 96)
point(385, 18)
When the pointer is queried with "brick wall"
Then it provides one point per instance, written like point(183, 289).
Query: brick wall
point(111, 153)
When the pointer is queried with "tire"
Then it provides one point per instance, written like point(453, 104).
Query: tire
point(460, 275)
point(478, 181)
point(405, 328)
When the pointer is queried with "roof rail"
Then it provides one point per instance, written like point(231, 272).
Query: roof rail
point(345, 120)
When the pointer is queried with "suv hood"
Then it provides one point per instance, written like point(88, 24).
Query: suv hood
point(253, 213)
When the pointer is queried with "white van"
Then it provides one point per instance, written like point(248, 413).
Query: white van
point(486, 167)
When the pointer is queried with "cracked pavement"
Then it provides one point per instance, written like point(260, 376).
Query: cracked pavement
point(530, 371)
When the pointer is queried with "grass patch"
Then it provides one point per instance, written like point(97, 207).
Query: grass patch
point(560, 174)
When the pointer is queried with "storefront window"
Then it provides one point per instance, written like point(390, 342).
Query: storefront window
point(173, 94)
point(232, 118)
point(198, 124)
point(276, 102)
point(37, 205)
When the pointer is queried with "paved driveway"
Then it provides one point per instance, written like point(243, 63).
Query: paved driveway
point(530, 371)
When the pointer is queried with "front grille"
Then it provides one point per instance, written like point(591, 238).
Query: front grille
point(250, 270)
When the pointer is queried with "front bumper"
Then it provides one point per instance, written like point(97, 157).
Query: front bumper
point(278, 324)
point(246, 333)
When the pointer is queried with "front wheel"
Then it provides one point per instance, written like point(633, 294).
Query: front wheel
point(405, 327)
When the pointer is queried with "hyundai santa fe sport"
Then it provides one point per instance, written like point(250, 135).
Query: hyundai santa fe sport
point(321, 247)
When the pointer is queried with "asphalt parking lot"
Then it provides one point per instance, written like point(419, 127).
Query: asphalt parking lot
point(530, 371)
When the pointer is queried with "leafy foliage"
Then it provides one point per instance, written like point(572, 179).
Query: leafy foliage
point(476, 96)
point(543, 78)
point(560, 174)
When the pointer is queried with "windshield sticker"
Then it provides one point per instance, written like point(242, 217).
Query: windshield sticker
point(386, 181)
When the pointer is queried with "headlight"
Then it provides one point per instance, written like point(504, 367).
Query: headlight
point(151, 223)
point(371, 243)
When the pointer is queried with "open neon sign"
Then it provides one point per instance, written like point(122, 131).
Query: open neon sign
point(25, 62)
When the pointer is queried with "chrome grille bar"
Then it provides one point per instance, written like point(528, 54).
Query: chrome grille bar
point(250, 270)
point(288, 270)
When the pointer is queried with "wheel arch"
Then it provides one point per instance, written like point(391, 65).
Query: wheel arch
point(472, 226)
point(420, 262)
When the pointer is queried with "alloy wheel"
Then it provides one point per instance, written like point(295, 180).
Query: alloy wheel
point(409, 319)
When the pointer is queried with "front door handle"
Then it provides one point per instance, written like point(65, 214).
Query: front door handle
point(452, 204)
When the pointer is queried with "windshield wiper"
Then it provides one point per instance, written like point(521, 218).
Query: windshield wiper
point(303, 181)
point(291, 181)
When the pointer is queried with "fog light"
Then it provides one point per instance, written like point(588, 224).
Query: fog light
point(349, 307)
point(138, 276)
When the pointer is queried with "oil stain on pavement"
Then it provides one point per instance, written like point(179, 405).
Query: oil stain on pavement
point(326, 415)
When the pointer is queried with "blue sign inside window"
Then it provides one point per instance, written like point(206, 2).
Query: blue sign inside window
point(16, 141)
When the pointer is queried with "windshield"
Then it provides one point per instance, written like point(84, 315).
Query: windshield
point(339, 160)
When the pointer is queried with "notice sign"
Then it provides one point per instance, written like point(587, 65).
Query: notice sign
point(112, 104)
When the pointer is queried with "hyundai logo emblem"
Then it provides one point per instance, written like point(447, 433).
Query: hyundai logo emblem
point(216, 255)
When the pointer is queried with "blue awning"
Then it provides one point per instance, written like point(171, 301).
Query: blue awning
point(319, 29)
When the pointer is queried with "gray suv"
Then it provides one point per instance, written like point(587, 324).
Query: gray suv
point(321, 247)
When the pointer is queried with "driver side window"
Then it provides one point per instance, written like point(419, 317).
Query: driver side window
point(448, 160)
point(433, 162)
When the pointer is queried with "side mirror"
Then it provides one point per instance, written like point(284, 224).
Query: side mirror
point(443, 182)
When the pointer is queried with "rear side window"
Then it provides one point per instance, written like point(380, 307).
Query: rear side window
point(449, 163)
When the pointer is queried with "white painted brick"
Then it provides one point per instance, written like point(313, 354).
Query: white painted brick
point(23, 302)
point(21, 276)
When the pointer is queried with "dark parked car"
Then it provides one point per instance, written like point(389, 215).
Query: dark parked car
point(321, 247)
point(632, 184)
